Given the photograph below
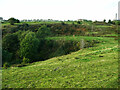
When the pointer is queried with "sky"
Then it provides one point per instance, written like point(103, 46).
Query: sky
point(59, 9)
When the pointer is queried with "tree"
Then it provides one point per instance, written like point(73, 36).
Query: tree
point(13, 20)
point(117, 22)
point(6, 56)
point(43, 31)
point(62, 23)
point(104, 21)
point(79, 22)
point(110, 22)
point(22, 34)
point(29, 46)
point(17, 21)
point(10, 42)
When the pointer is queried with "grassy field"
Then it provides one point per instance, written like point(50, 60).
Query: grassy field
point(94, 67)
point(41, 22)
point(103, 26)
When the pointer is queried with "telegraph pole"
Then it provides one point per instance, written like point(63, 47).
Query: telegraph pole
point(0, 54)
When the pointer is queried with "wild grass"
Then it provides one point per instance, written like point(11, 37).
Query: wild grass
point(94, 67)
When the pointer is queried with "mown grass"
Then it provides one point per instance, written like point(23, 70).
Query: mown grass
point(94, 67)
point(78, 38)
point(103, 26)
point(115, 35)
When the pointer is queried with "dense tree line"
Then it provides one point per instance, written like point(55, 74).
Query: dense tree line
point(23, 45)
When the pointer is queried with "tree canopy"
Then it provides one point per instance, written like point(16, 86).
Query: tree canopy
point(29, 46)
point(13, 20)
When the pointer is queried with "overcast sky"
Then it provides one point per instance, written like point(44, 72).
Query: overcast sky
point(59, 9)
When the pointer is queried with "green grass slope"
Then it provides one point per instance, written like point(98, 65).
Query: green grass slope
point(94, 67)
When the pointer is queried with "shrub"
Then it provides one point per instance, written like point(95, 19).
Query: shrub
point(79, 22)
point(43, 32)
point(26, 60)
point(10, 42)
point(29, 46)
point(22, 34)
point(13, 20)
point(62, 23)
point(6, 65)
point(6, 56)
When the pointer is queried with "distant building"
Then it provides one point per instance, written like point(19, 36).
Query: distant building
point(81, 19)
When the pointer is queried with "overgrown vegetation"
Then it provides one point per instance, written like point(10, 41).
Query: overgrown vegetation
point(81, 54)
point(95, 67)
point(20, 39)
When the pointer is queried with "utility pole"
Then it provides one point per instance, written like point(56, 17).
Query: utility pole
point(116, 17)
point(0, 54)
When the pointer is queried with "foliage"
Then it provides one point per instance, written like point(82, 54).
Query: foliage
point(117, 22)
point(10, 42)
point(62, 23)
point(22, 34)
point(13, 35)
point(79, 22)
point(29, 46)
point(6, 56)
point(6, 65)
point(13, 20)
point(26, 60)
point(95, 67)
point(104, 20)
point(23, 26)
point(43, 32)
point(110, 22)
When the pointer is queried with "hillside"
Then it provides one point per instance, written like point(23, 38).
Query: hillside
point(93, 67)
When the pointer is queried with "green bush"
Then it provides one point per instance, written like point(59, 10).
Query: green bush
point(29, 46)
point(10, 42)
point(6, 56)
point(6, 65)
point(13, 20)
point(22, 34)
point(79, 22)
point(43, 32)
point(26, 60)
